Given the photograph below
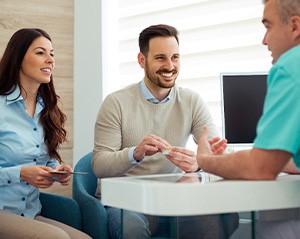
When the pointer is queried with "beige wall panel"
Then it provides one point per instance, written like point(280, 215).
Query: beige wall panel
point(57, 18)
point(64, 88)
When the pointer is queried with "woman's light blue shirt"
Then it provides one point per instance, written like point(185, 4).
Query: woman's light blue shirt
point(21, 144)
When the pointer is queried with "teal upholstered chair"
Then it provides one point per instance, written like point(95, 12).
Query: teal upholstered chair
point(60, 208)
point(94, 217)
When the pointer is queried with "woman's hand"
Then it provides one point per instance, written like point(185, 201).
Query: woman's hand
point(37, 176)
point(64, 179)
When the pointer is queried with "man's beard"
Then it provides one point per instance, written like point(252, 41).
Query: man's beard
point(154, 78)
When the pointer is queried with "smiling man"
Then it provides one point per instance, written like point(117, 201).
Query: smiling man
point(137, 124)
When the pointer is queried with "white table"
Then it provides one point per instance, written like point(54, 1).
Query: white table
point(160, 195)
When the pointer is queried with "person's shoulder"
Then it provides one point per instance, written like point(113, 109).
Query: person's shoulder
point(295, 51)
point(292, 56)
point(3, 103)
point(124, 93)
point(186, 92)
point(2, 100)
point(289, 63)
point(186, 96)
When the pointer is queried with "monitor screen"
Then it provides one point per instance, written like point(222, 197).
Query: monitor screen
point(242, 102)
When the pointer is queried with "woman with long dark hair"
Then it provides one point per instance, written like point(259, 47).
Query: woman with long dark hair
point(31, 131)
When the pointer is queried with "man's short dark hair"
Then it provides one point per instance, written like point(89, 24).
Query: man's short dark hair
point(153, 31)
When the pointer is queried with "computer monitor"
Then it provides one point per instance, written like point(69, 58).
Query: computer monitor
point(242, 99)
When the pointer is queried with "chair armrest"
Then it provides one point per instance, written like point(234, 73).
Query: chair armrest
point(62, 209)
point(94, 217)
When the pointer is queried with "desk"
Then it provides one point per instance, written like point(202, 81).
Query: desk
point(156, 195)
point(162, 195)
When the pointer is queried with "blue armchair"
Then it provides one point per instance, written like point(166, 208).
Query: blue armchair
point(94, 217)
point(60, 208)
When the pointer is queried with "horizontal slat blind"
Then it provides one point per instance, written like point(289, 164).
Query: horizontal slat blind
point(215, 36)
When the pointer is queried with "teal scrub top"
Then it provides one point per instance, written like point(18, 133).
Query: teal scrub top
point(279, 126)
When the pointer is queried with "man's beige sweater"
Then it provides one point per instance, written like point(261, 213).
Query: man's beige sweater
point(126, 118)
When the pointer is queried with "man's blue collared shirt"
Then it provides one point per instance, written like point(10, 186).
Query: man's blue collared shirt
point(148, 95)
point(21, 144)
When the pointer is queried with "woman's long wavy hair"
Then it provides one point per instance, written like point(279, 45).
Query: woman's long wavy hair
point(52, 118)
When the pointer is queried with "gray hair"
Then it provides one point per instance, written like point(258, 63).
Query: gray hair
point(287, 9)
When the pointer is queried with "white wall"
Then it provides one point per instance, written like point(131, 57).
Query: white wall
point(87, 74)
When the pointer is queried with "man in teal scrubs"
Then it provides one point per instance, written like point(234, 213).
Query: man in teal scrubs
point(278, 130)
point(277, 145)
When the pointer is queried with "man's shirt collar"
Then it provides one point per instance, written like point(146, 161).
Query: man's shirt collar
point(149, 97)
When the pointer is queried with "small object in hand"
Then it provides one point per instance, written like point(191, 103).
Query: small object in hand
point(66, 172)
point(54, 179)
point(166, 151)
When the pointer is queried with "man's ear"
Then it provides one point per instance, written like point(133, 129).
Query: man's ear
point(295, 27)
point(141, 60)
